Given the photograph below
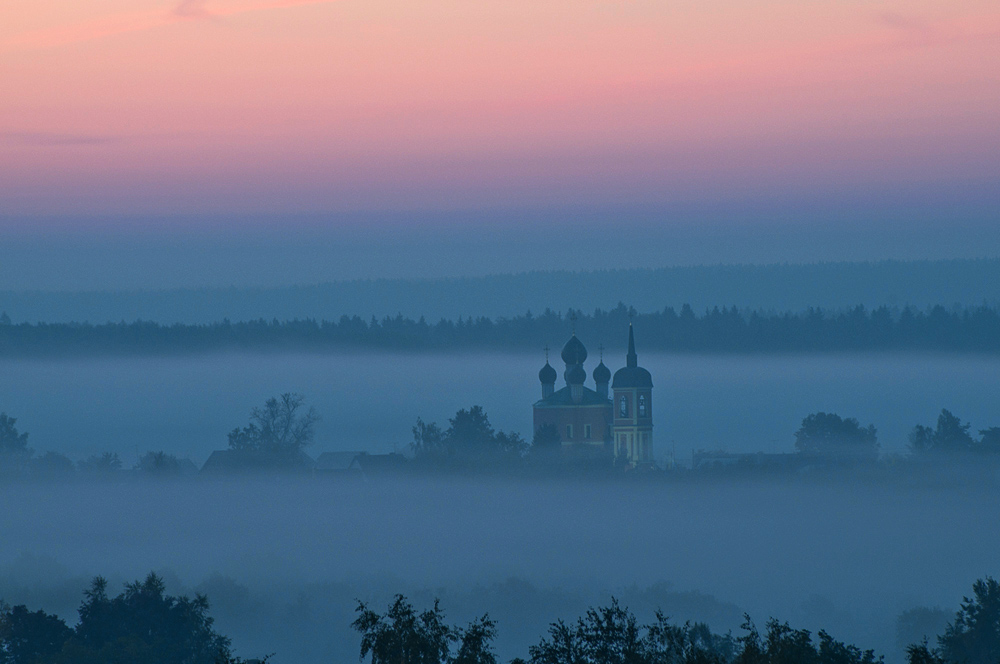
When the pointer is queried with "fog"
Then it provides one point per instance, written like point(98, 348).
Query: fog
point(369, 401)
point(285, 560)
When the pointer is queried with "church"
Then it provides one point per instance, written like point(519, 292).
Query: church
point(620, 423)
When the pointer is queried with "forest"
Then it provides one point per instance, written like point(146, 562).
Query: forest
point(973, 329)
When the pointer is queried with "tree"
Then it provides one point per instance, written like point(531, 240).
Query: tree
point(919, 624)
point(26, 637)
point(476, 640)
point(281, 427)
point(471, 433)
point(784, 645)
point(511, 445)
point(546, 438)
point(159, 464)
point(402, 636)
point(144, 624)
point(833, 437)
point(989, 440)
point(14, 451)
point(974, 636)
point(950, 436)
point(922, 654)
point(109, 462)
point(428, 440)
point(11, 440)
point(612, 635)
point(470, 440)
point(51, 465)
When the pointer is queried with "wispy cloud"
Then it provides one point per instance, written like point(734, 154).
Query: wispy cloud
point(119, 24)
point(192, 9)
point(47, 139)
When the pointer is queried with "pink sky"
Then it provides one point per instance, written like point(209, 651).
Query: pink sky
point(135, 106)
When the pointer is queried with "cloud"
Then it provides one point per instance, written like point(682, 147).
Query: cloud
point(119, 24)
point(47, 139)
point(192, 9)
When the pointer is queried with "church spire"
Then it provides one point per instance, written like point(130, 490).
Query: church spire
point(631, 359)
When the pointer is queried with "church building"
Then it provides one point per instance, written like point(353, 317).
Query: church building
point(619, 423)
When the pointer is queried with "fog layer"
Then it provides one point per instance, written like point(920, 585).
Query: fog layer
point(846, 558)
point(368, 402)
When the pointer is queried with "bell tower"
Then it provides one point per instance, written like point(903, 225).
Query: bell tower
point(632, 427)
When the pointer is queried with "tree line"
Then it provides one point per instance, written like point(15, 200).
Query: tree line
point(726, 329)
point(144, 624)
point(279, 432)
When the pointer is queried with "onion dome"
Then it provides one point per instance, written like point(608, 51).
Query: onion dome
point(632, 377)
point(547, 375)
point(602, 374)
point(575, 375)
point(574, 352)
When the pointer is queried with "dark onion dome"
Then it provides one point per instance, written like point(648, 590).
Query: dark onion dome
point(575, 375)
point(547, 374)
point(602, 374)
point(574, 352)
point(632, 375)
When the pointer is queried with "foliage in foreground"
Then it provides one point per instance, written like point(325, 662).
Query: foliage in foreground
point(604, 635)
point(141, 624)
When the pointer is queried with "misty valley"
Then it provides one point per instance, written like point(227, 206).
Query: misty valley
point(878, 554)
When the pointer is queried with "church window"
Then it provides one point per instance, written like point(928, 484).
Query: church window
point(586, 431)
point(569, 432)
point(623, 407)
point(642, 405)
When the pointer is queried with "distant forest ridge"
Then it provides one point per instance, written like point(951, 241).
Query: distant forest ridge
point(775, 287)
point(716, 330)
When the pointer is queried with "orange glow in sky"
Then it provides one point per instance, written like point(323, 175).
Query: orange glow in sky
point(234, 105)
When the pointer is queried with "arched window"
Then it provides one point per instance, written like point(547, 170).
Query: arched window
point(623, 407)
point(642, 405)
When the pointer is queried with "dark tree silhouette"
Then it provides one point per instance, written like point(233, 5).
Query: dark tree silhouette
point(612, 635)
point(142, 624)
point(26, 637)
point(402, 636)
point(471, 433)
point(14, 450)
point(784, 645)
point(12, 441)
point(950, 436)
point(546, 438)
point(470, 441)
point(109, 462)
point(476, 643)
point(281, 427)
point(51, 465)
point(922, 654)
point(832, 437)
point(159, 464)
point(974, 636)
point(989, 440)
point(428, 440)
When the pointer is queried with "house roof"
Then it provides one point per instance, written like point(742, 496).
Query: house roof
point(333, 461)
point(235, 461)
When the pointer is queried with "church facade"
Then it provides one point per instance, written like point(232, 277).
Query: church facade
point(618, 420)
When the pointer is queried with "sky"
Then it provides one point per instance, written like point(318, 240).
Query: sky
point(127, 116)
